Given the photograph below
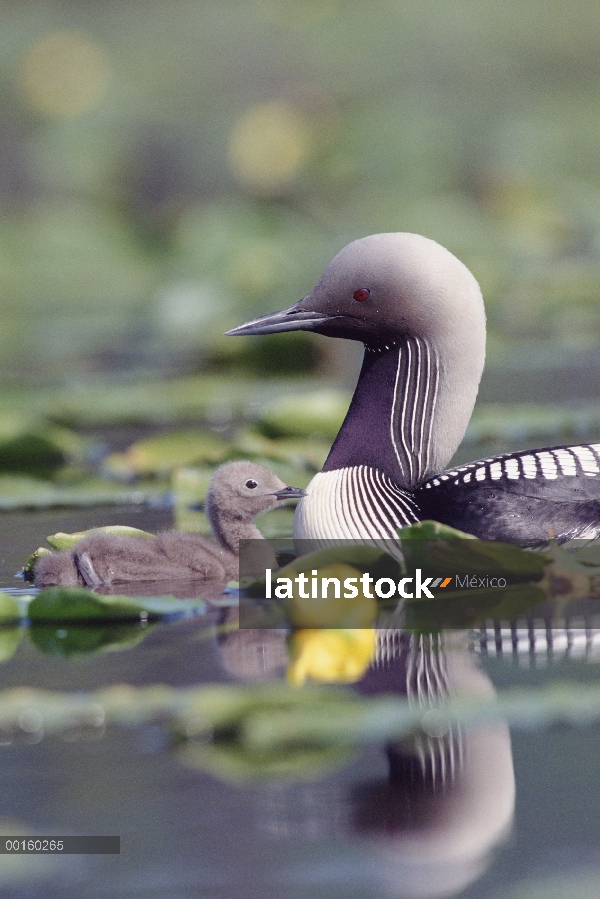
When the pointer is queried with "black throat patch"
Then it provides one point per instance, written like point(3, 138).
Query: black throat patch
point(389, 422)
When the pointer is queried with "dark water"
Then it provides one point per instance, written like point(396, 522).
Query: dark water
point(362, 833)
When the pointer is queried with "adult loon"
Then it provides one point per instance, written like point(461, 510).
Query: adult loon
point(420, 314)
point(238, 492)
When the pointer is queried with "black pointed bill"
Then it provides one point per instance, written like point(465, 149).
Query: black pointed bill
point(290, 493)
point(293, 318)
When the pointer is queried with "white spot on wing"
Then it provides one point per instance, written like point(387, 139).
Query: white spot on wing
point(496, 471)
point(511, 467)
point(587, 460)
point(566, 461)
point(529, 466)
point(549, 467)
point(480, 474)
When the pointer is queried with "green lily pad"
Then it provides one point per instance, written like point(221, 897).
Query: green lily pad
point(583, 559)
point(161, 454)
point(442, 551)
point(9, 609)
point(21, 492)
point(236, 763)
point(308, 455)
point(28, 569)
point(318, 412)
point(76, 641)
point(361, 556)
point(464, 609)
point(79, 604)
point(61, 541)
point(10, 637)
point(432, 530)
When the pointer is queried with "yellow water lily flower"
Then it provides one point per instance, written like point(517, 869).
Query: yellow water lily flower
point(344, 605)
point(330, 656)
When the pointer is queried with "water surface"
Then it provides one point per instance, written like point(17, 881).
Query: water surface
point(369, 830)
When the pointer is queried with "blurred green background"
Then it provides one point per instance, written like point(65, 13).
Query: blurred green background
point(169, 169)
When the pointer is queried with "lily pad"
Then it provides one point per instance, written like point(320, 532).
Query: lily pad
point(473, 608)
point(585, 558)
point(62, 541)
point(21, 492)
point(10, 637)
point(28, 569)
point(442, 551)
point(161, 454)
point(318, 412)
point(156, 402)
point(78, 641)
point(79, 604)
point(308, 455)
point(359, 555)
point(432, 530)
point(237, 763)
point(9, 609)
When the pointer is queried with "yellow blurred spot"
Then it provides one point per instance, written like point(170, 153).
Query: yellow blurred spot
point(268, 145)
point(332, 611)
point(257, 267)
point(330, 656)
point(64, 74)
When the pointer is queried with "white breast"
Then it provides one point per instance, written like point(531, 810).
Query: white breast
point(358, 503)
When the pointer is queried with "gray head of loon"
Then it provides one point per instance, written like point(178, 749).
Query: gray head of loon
point(391, 291)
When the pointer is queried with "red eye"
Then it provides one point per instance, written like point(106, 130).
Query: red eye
point(361, 295)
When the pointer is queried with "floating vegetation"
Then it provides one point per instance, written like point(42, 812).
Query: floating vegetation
point(69, 604)
point(21, 492)
point(75, 641)
point(527, 423)
point(160, 455)
point(78, 604)
point(466, 583)
point(288, 425)
point(279, 732)
point(62, 541)
point(320, 412)
point(75, 621)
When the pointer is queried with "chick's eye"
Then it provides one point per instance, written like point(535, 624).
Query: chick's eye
point(362, 294)
point(251, 484)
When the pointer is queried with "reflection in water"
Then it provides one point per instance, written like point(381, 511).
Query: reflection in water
point(448, 799)
point(434, 822)
point(250, 655)
point(536, 641)
point(419, 668)
point(181, 588)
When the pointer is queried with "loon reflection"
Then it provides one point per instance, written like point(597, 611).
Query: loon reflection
point(447, 801)
point(449, 798)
